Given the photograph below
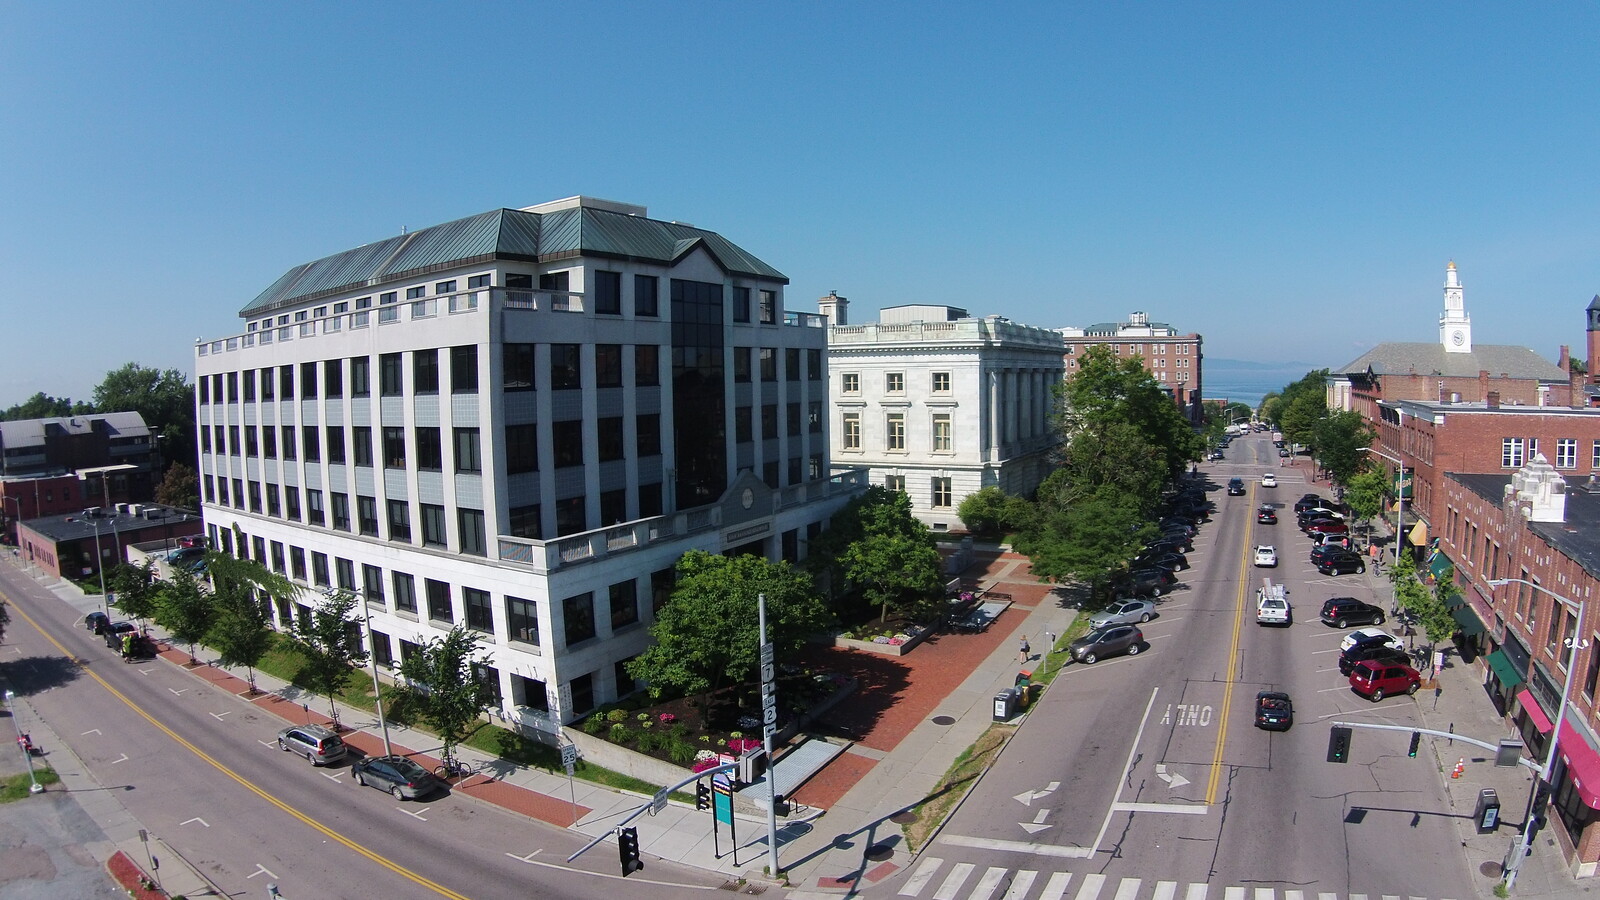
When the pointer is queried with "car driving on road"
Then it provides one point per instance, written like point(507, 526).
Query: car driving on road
point(1266, 515)
point(1342, 612)
point(1235, 487)
point(1266, 556)
point(1269, 480)
point(1274, 711)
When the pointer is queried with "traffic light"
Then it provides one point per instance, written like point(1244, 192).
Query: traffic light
point(1416, 741)
point(1339, 744)
point(628, 850)
point(702, 795)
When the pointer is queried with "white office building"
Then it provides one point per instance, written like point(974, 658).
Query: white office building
point(939, 404)
point(518, 421)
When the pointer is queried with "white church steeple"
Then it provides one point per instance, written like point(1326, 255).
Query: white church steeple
point(1455, 326)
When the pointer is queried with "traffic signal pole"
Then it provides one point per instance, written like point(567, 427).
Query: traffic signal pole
point(1448, 735)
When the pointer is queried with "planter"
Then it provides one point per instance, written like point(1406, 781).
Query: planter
point(900, 649)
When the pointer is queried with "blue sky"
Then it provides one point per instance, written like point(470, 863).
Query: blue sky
point(1287, 180)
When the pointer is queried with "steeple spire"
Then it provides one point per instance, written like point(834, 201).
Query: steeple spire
point(1455, 326)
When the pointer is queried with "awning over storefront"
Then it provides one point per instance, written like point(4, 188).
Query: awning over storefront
point(1583, 764)
point(1505, 670)
point(1440, 565)
point(1535, 714)
point(1467, 618)
point(1419, 534)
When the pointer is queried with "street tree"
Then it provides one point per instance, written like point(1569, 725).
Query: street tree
point(137, 591)
point(706, 636)
point(1089, 539)
point(1300, 406)
point(1364, 495)
point(896, 571)
point(244, 591)
point(330, 642)
point(165, 400)
point(1110, 455)
point(1340, 440)
point(849, 557)
point(180, 487)
point(1108, 389)
point(986, 512)
point(445, 687)
point(186, 610)
point(44, 406)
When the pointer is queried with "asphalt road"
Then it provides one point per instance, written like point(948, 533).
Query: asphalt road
point(200, 769)
point(1144, 776)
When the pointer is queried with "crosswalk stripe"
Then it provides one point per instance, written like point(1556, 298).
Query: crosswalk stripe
point(1165, 890)
point(1294, 895)
point(1358, 897)
point(1020, 884)
point(1233, 893)
point(924, 873)
point(1056, 887)
point(989, 883)
point(1264, 893)
point(1327, 895)
point(1091, 886)
point(1391, 897)
point(1197, 891)
point(954, 881)
point(1128, 889)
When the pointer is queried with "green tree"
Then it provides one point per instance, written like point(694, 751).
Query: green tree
point(896, 571)
point(244, 590)
point(1108, 389)
point(1364, 495)
point(331, 644)
point(136, 588)
point(164, 399)
point(706, 636)
point(880, 521)
point(1089, 539)
point(44, 406)
point(986, 512)
point(185, 610)
point(444, 684)
point(180, 487)
point(1111, 455)
point(1301, 405)
point(1340, 440)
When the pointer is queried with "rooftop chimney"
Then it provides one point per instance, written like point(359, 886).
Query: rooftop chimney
point(1492, 399)
point(834, 308)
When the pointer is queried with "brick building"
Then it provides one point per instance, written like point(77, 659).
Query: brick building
point(86, 542)
point(1538, 528)
point(60, 465)
point(1173, 359)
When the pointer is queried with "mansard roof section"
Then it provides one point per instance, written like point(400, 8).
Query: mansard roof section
point(1431, 359)
point(506, 234)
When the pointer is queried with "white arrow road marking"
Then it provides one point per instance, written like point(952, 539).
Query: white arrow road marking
point(1037, 825)
point(196, 819)
point(1026, 798)
point(1173, 780)
point(261, 870)
point(416, 815)
point(123, 759)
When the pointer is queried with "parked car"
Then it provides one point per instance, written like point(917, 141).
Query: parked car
point(1217, 455)
point(1109, 641)
point(1266, 515)
point(1378, 652)
point(317, 743)
point(1123, 612)
point(96, 621)
point(113, 634)
point(1308, 501)
point(1370, 636)
point(1319, 552)
point(1327, 526)
point(1274, 711)
point(1235, 487)
point(1341, 562)
point(1266, 556)
point(396, 774)
point(1172, 543)
point(183, 557)
point(1177, 526)
point(1374, 680)
point(1145, 582)
point(1172, 562)
point(1269, 480)
point(1326, 539)
point(1342, 612)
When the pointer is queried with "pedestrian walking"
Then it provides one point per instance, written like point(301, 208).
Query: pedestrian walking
point(1024, 651)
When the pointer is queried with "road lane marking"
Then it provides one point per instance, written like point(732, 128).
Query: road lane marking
point(1091, 886)
point(1127, 767)
point(1233, 893)
point(977, 843)
point(920, 878)
point(1361, 711)
point(1165, 890)
point(1056, 887)
point(1020, 884)
point(1227, 687)
point(1128, 889)
point(1190, 809)
point(196, 819)
point(988, 884)
point(1197, 891)
point(954, 881)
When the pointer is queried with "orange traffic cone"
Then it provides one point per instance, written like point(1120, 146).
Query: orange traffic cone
point(1461, 766)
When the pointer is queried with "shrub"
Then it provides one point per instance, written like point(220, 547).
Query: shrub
point(681, 751)
point(616, 715)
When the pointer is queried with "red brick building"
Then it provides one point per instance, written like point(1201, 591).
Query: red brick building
point(1171, 358)
point(62, 465)
point(1537, 527)
point(86, 542)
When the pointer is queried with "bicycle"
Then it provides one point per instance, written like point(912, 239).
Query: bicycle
point(453, 768)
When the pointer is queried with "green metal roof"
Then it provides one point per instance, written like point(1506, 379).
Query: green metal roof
point(506, 234)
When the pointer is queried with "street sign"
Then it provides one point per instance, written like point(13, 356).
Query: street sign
point(769, 716)
point(569, 755)
point(766, 656)
point(768, 674)
point(659, 801)
point(722, 800)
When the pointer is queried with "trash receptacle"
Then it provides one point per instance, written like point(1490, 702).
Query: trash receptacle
point(1487, 816)
point(1005, 704)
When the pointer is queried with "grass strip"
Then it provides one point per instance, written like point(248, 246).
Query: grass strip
point(15, 787)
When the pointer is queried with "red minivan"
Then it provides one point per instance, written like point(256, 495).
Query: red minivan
point(1376, 679)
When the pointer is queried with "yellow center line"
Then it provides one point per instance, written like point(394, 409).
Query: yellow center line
point(327, 832)
point(1233, 656)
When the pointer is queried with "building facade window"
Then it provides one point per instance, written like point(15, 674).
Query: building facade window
point(516, 367)
point(367, 515)
point(769, 363)
point(522, 449)
point(624, 604)
point(471, 524)
point(850, 383)
point(941, 493)
point(1567, 453)
point(372, 584)
point(425, 371)
point(394, 448)
point(430, 451)
point(769, 307)
point(522, 620)
point(646, 365)
point(895, 431)
point(567, 440)
point(647, 435)
point(399, 521)
point(851, 432)
point(894, 382)
point(360, 376)
point(340, 508)
point(608, 365)
point(609, 433)
point(741, 304)
point(607, 293)
point(440, 607)
point(464, 369)
point(433, 527)
point(333, 378)
point(469, 451)
point(564, 367)
point(480, 615)
point(361, 444)
point(578, 614)
point(336, 444)
point(1511, 453)
point(895, 483)
point(314, 511)
point(524, 522)
point(405, 592)
point(646, 295)
point(941, 433)
point(941, 382)
point(391, 377)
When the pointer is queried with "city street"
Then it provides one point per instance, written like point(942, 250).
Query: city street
point(1145, 776)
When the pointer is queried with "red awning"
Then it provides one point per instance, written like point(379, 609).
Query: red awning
point(1583, 764)
point(1536, 715)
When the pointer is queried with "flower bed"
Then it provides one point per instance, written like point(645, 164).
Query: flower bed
point(132, 879)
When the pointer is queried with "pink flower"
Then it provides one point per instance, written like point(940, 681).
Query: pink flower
point(667, 718)
point(700, 765)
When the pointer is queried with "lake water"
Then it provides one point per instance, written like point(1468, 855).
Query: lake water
point(1246, 382)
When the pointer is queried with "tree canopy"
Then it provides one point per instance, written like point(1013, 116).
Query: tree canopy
point(706, 636)
point(1108, 389)
point(1299, 407)
point(164, 399)
point(44, 406)
point(1340, 440)
point(445, 685)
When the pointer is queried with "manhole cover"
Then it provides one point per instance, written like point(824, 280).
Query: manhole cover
point(1490, 869)
point(944, 720)
point(879, 852)
point(904, 818)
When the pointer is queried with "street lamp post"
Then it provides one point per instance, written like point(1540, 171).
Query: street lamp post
point(372, 660)
point(34, 787)
point(1575, 643)
point(100, 566)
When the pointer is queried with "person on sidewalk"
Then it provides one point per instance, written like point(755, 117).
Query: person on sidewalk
point(127, 645)
point(1024, 651)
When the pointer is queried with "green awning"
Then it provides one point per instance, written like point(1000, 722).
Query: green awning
point(1504, 670)
point(1467, 618)
point(1440, 565)
point(1455, 602)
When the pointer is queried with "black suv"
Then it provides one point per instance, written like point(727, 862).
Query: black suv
point(1309, 501)
point(1145, 583)
point(1235, 487)
point(1341, 562)
point(1377, 651)
point(1342, 612)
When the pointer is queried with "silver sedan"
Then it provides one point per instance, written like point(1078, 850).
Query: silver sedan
point(1124, 612)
